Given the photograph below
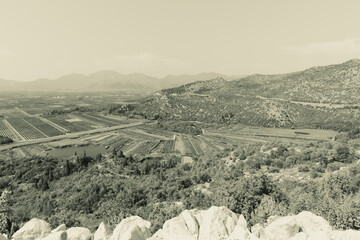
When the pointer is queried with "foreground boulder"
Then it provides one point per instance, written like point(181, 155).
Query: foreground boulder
point(59, 235)
point(78, 233)
point(2, 237)
point(103, 232)
point(33, 229)
point(132, 228)
point(215, 223)
point(60, 228)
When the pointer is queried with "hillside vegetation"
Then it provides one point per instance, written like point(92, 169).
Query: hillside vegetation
point(320, 97)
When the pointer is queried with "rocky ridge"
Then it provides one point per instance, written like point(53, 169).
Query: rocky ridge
point(216, 223)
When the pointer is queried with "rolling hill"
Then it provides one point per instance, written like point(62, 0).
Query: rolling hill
point(319, 97)
point(106, 81)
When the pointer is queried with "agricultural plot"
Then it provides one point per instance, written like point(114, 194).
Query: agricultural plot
point(97, 120)
point(143, 148)
point(27, 131)
point(154, 130)
point(211, 145)
point(113, 120)
point(169, 146)
point(192, 147)
point(120, 143)
point(5, 131)
point(62, 121)
point(45, 128)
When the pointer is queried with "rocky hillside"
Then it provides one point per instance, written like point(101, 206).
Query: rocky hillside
point(216, 223)
point(319, 97)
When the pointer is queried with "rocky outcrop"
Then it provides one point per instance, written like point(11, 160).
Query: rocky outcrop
point(103, 232)
point(33, 229)
point(60, 228)
point(78, 233)
point(216, 223)
point(132, 228)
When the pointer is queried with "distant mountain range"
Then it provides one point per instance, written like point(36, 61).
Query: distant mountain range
point(318, 97)
point(107, 81)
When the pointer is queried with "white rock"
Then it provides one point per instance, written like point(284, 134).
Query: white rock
point(240, 232)
point(157, 236)
point(132, 228)
point(78, 233)
point(319, 235)
point(183, 227)
point(345, 235)
point(299, 236)
point(103, 232)
point(60, 228)
point(217, 223)
point(59, 235)
point(33, 229)
point(258, 230)
point(282, 228)
point(2, 237)
point(310, 223)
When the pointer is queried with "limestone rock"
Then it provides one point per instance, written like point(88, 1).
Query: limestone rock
point(183, 227)
point(103, 232)
point(299, 236)
point(2, 237)
point(157, 236)
point(78, 233)
point(217, 223)
point(319, 235)
point(132, 228)
point(59, 235)
point(258, 230)
point(310, 223)
point(282, 228)
point(60, 228)
point(241, 232)
point(33, 229)
point(345, 235)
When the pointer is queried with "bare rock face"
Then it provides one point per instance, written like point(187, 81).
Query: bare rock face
point(59, 235)
point(132, 228)
point(103, 232)
point(33, 229)
point(78, 233)
point(60, 228)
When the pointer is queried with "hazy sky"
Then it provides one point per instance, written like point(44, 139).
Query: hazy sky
point(49, 38)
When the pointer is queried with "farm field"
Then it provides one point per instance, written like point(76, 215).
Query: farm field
point(5, 131)
point(45, 128)
point(63, 121)
point(26, 130)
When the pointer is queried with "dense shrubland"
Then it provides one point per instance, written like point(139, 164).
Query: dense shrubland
point(251, 180)
point(5, 140)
